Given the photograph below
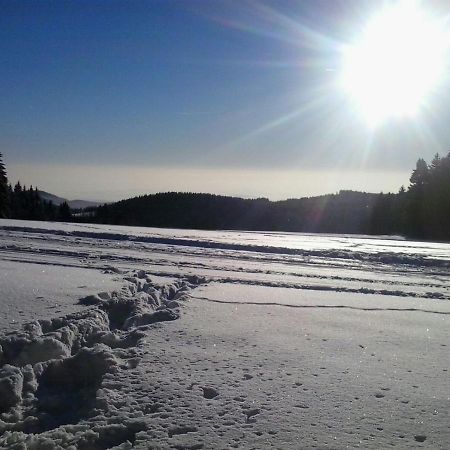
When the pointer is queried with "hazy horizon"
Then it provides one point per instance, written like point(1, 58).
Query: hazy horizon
point(274, 185)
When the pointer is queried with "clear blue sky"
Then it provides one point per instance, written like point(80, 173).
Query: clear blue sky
point(99, 98)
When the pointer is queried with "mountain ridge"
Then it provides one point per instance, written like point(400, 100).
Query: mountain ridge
point(73, 204)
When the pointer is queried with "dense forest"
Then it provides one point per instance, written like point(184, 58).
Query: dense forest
point(346, 212)
point(20, 202)
point(422, 211)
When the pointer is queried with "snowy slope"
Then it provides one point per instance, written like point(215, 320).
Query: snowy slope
point(204, 339)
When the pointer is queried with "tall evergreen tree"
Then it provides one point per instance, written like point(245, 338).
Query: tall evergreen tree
point(416, 199)
point(64, 212)
point(420, 175)
point(437, 199)
point(436, 161)
point(4, 197)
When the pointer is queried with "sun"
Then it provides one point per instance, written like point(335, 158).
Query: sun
point(396, 63)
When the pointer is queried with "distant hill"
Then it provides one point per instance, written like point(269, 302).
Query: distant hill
point(51, 198)
point(74, 204)
point(81, 204)
point(345, 212)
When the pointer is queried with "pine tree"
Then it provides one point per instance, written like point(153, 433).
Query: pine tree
point(4, 197)
point(64, 212)
point(437, 199)
point(420, 175)
point(416, 199)
point(435, 163)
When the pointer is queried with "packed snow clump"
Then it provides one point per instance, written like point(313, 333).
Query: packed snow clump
point(51, 371)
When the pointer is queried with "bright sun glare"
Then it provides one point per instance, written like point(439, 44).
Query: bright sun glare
point(398, 60)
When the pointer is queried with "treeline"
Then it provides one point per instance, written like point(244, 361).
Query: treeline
point(422, 211)
point(25, 203)
point(345, 212)
point(430, 199)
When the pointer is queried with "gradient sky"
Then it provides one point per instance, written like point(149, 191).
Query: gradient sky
point(108, 99)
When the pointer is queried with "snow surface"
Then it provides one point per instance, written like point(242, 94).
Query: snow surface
point(40, 291)
point(157, 338)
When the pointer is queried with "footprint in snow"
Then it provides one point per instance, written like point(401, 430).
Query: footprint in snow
point(209, 393)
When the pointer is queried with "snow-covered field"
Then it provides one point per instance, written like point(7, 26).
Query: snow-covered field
point(122, 337)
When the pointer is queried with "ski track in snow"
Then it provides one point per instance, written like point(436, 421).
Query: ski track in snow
point(233, 259)
point(112, 375)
